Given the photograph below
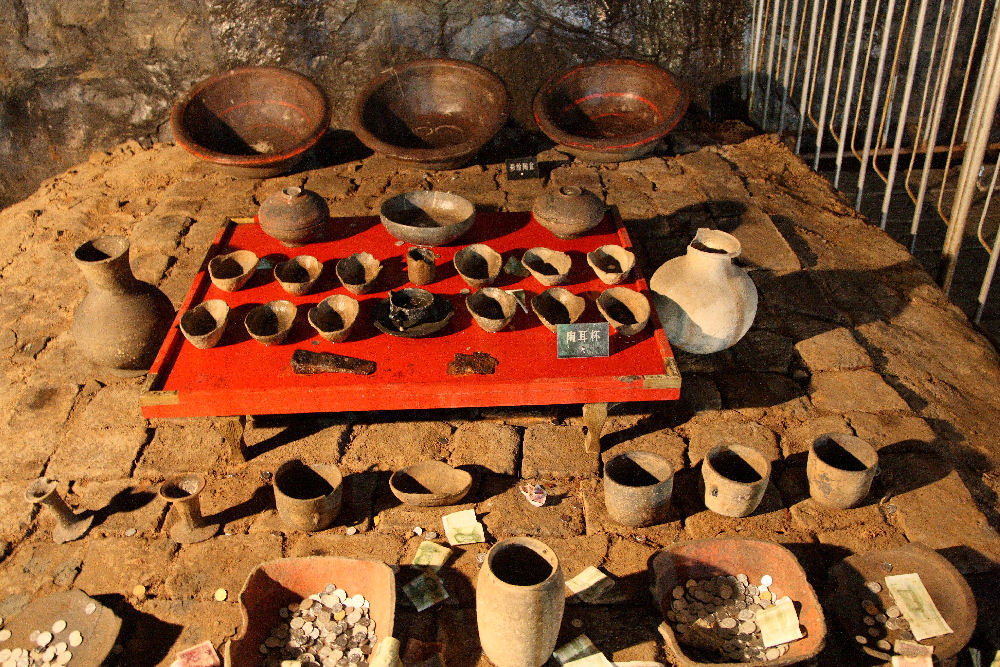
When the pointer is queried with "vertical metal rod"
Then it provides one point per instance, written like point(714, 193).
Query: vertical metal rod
point(864, 78)
point(758, 26)
point(748, 37)
point(838, 4)
point(785, 91)
point(973, 160)
point(807, 75)
point(984, 287)
point(876, 90)
point(831, 125)
point(979, 75)
point(911, 73)
point(770, 60)
point(920, 136)
point(850, 91)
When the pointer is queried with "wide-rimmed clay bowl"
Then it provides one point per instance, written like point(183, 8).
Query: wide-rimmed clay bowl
point(427, 218)
point(478, 264)
point(430, 483)
point(357, 272)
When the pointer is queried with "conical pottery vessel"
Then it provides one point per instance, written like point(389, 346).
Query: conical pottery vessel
point(557, 305)
point(233, 270)
point(549, 267)
point(297, 275)
point(611, 263)
point(624, 309)
point(122, 320)
point(204, 324)
point(269, 324)
point(705, 302)
point(294, 216)
point(478, 264)
point(492, 308)
point(357, 272)
point(333, 317)
point(520, 599)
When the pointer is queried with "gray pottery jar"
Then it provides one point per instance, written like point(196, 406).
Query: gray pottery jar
point(840, 469)
point(520, 599)
point(736, 479)
point(637, 487)
point(122, 321)
point(307, 497)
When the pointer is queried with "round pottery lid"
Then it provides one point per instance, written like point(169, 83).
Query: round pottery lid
point(569, 205)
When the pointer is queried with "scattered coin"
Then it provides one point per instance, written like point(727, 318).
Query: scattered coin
point(873, 586)
point(139, 591)
point(884, 645)
point(4, 635)
point(75, 638)
point(130, 532)
point(351, 530)
point(44, 638)
point(221, 594)
point(870, 607)
point(766, 580)
point(892, 612)
point(64, 658)
point(58, 626)
point(430, 535)
point(869, 620)
point(861, 639)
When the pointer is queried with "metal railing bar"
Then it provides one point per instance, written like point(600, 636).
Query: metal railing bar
point(770, 58)
point(890, 97)
point(808, 80)
point(831, 126)
point(991, 269)
point(850, 93)
point(838, 5)
point(876, 90)
point(864, 77)
point(979, 74)
point(788, 65)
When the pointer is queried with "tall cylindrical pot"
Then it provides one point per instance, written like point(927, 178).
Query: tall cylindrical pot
point(519, 602)
point(122, 320)
point(840, 469)
point(637, 488)
point(307, 497)
point(704, 301)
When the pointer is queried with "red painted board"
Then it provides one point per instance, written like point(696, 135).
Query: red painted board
point(241, 376)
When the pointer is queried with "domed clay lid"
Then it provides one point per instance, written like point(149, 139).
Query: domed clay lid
point(568, 211)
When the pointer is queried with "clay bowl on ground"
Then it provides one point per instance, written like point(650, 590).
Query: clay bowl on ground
point(610, 110)
point(549, 267)
point(557, 305)
point(478, 264)
point(624, 309)
point(427, 218)
point(252, 121)
point(204, 324)
point(611, 263)
point(704, 559)
point(429, 484)
point(430, 113)
point(333, 317)
point(492, 308)
point(231, 271)
point(278, 583)
point(269, 324)
point(297, 275)
point(357, 272)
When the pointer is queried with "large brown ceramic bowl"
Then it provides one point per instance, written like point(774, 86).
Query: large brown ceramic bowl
point(252, 121)
point(610, 110)
point(432, 113)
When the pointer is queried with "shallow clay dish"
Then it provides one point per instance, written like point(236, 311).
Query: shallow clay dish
point(252, 121)
point(441, 312)
point(430, 483)
point(433, 113)
point(427, 218)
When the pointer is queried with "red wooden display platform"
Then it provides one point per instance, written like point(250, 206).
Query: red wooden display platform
point(242, 377)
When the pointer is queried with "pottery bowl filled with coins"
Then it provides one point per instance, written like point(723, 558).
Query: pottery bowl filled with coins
point(732, 600)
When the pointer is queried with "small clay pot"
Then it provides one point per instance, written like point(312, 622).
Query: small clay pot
point(333, 317)
point(840, 469)
point(568, 212)
point(269, 324)
point(624, 309)
point(231, 271)
point(299, 274)
point(430, 484)
point(556, 306)
point(294, 216)
point(736, 478)
point(549, 267)
point(357, 272)
point(410, 306)
point(204, 324)
point(492, 308)
point(420, 267)
point(478, 264)
point(637, 487)
point(611, 263)
point(307, 497)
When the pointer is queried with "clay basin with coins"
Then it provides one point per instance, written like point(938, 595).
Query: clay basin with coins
point(433, 113)
point(255, 122)
point(610, 110)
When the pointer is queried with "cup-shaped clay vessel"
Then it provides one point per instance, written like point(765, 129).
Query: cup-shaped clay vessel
point(269, 324)
point(549, 267)
point(357, 272)
point(611, 263)
point(637, 487)
point(204, 324)
point(333, 317)
point(231, 271)
point(299, 274)
point(840, 469)
point(420, 267)
point(557, 305)
point(736, 479)
point(478, 264)
point(492, 308)
point(624, 309)
point(308, 496)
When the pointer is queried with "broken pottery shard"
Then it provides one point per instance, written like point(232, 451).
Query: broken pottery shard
point(590, 585)
point(534, 493)
point(916, 606)
point(200, 655)
point(477, 363)
point(425, 591)
point(432, 555)
point(305, 362)
point(463, 528)
point(779, 624)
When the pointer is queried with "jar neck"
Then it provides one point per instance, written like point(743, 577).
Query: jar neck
point(113, 274)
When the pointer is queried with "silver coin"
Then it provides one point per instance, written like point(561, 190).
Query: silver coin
point(330, 588)
point(297, 622)
point(884, 645)
point(4, 635)
point(746, 614)
point(748, 627)
point(870, 607)
point(358, 600)
point(766, 580)
point(891, 624)
point(892, 612)
point(728, 623)
point(678, 592)
point(743, 579)
point(772, 653)
point(881, 618)
point(868, 620)
point(44, 638)
point(905, 634)
point(873, 586)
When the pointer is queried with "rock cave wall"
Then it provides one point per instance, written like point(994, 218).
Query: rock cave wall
point(81, 75)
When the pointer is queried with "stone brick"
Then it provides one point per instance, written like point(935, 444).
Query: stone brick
point(456, 631)
point(768, 520)
point(223, 562)
point(705, 432)
point(764, 351)
point(395, 445)
point(169, 626)
point(17, 514)
point(700, 394)
point(886, 430)
point(270, 441)
point(120, 505)
point(797, 439)
point(854, 391)
point(34, 567)
point(647, 435)
point(768, 398)
point(506, 512)
point(184, 446)
point(386, 547)
point(623, 634)
point(552, 450)
point(833, 350)
point(598, 522)
point(628, 562)
point(493, 446)
point(115, 565)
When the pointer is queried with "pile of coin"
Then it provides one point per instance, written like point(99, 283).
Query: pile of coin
point(882, 628)
point(52, 646)
point(329, 628)
point(716, 618)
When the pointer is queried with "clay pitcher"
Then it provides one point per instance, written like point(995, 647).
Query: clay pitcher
point(705, 302)
point(520, 599)
point(122, 320)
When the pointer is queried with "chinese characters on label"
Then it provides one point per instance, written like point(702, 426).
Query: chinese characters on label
point(583, 340)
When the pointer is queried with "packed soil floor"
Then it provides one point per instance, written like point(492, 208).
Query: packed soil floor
point(851, 336)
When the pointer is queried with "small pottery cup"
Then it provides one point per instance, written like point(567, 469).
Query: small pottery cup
point(420, 267)
point(637, 487)
point(357, 272)
point(556, 306)
point(492, 308)
point(840, 469)
point(478, 264)
point(269, 324)
point(611, 263)
point(333, 317)
point(231, 271)
point(204, 324)
point(308, 497)
point(299, 274)
point(549, 267)
point(736, 478)
point(624, 309)
point(410, 306)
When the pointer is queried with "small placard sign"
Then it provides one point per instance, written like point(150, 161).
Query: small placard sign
point(589, 339)
point(522, 167)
